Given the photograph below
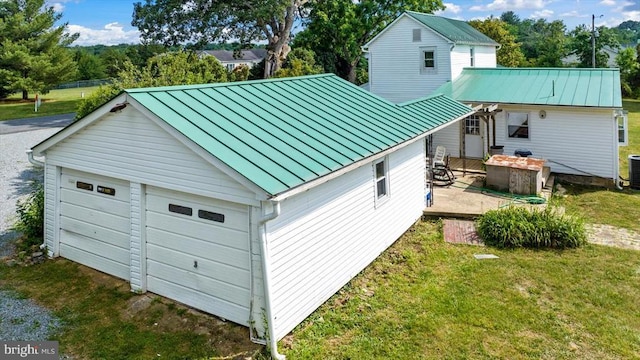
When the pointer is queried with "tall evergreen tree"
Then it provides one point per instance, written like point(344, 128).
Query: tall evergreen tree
point(33, 57)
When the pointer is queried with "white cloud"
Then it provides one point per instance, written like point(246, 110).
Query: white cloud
point(57, 7)
point(608, 2)
point(574, 13)
point(111, 34)
point(542, 14)
point(453, 8)
point(512, 5)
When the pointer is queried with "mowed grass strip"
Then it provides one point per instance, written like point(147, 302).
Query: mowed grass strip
point(633, 107)
point(56, 102)
point(425, 299)
point(103, 319)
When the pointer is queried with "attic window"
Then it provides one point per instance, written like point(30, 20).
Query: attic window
point(417, 35)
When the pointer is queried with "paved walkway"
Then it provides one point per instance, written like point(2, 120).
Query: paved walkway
point(464, 232)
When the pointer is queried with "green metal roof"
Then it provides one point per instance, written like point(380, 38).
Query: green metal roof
point(282, 133)
point(537, 86)
point(459, 32)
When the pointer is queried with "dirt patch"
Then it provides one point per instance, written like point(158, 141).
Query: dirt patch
point(612, 236)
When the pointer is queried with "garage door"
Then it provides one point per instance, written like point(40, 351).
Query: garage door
point(198, 252)
point(94, 221)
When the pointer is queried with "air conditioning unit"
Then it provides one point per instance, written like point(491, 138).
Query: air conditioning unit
point(634, 171)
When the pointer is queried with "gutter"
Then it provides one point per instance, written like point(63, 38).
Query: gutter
point(266, 264)
point(32, 160)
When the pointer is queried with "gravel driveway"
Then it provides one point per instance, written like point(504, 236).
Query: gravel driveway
point(20, 319)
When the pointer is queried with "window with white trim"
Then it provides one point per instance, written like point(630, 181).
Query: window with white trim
point(472, 125)
point(518, 125)
point(472, 60)
point(428, 62)
point(622, 123)
point(381, 177)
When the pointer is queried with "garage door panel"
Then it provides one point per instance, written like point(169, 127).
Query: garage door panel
point(233, 218)
point(95, 217)
point(104, 234)
point(199, 300)
point(103, 203)
point(195, 281)
point(177, 223)
point(196, 199)
point(94, 261)
point(97, 247)
point(70, 180)
point(205, 267)
point(213, 251)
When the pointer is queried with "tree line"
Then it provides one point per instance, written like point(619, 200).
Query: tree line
point(36, 54)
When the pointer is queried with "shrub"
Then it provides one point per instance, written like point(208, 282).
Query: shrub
point(31, 214)
point(521, 227)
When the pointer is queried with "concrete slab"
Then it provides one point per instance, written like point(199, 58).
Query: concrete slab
point(466, 198)
point(485, 256)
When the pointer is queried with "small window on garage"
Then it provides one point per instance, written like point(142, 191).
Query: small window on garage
point(381, 177)
point(210, 215)
point(84, 186)
point(106, 190)
point(622, 122)
point(179, 209)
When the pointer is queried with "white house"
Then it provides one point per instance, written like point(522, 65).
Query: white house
point(253, 201)
point(572, 118)
point(232, 59)
point(418, 52)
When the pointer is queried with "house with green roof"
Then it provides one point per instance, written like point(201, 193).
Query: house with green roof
point(572, 118)
point(254, 201)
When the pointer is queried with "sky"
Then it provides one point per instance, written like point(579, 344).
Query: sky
point(108, 22)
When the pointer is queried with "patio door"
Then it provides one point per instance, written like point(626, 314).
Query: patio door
point(473, 137)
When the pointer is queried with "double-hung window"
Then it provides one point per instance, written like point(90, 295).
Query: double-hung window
point(621, 122)
point(518, 125)
point(381, 177)
point(428, 60)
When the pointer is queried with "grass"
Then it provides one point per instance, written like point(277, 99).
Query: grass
point(55, 102)
point(633, 106)
point(425, 299)
point(103, 319)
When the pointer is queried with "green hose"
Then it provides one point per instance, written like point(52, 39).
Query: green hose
point(521, 199)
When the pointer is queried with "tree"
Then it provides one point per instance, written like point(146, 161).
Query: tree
point(299, 62)
point(628, 62)
point(173, 22)
point(113, 60)
point(543, 44)
point(337, 29)
point(179, 68)
point(509, 53)
point(33, 56)
point(581, 45)
point(89, 66)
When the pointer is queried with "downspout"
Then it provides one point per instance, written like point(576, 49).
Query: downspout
point(616, 151)
point(32, 160)
point(266, 264)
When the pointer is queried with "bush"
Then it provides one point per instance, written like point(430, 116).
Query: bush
point(31, 215)
point(520, 227)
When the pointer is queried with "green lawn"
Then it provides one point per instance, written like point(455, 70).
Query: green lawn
point(425, 299)
point(55, 102)
point(633, 106)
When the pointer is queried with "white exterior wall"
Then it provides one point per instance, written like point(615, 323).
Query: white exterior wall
point(395, 62)
point(51, 208)
point(127, 145)
point(582, 138)
point(327, 235)
point(449, 137)
point(485, 56)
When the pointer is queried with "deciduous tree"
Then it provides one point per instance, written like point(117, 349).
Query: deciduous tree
point(33, 57)
point(173, 22)
point(582, 47)
point(509, 53)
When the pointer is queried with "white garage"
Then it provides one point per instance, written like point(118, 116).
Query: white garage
point(253, 201)
point(94, 221)
point(198, 252)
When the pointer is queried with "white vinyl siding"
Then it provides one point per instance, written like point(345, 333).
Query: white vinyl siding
point(448, 137)
point(201, 262)
point(128, 145)
point(51, 208)
point(396, 72)
point(328, 234)
point(95, 227)
point(485, 56)
point(579, 138)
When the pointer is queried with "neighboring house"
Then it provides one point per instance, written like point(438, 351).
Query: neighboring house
point(254, 201)
point(418, 52)
point(572, 118)
point(572, 60)
point(230, 59)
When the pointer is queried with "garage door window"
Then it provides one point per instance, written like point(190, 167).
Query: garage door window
point(84, 186)
point(208, 215)
point(178, 209)
point(106, 190)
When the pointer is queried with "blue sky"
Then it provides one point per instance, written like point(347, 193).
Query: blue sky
point(109, 22)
